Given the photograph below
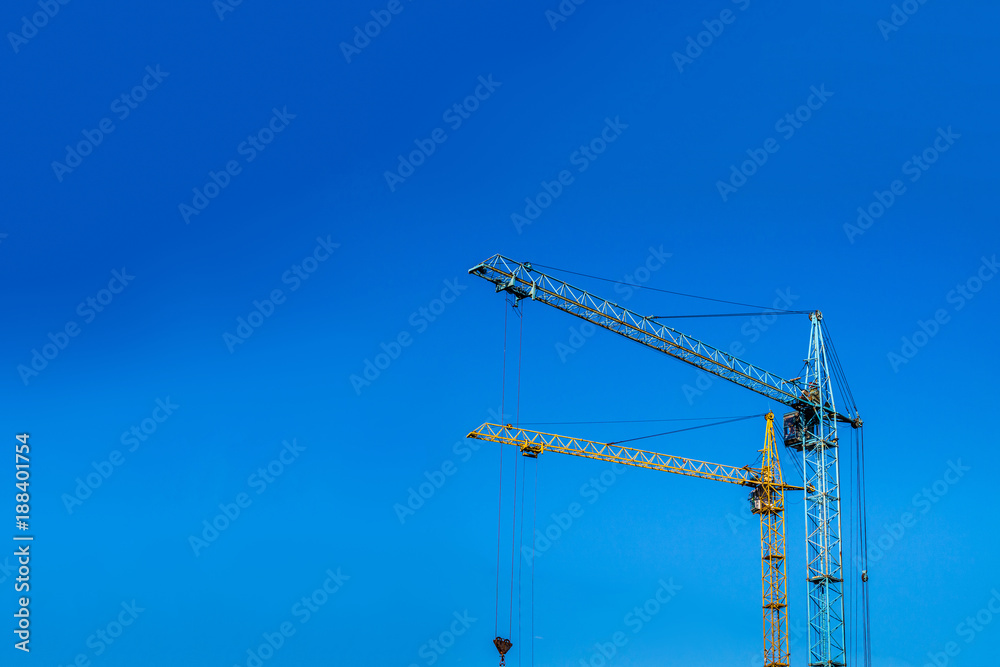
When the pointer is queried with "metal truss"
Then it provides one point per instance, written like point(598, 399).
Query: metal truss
point(815, 432)
point(767, 500)
point(526, 283)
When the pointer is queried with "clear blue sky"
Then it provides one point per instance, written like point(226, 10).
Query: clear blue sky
point(218, 155)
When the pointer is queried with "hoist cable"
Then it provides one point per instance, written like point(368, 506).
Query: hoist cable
point(628, 421)
point(519, 563)
point(864, 546)
point(763, 312)
point(513, 546)
point(690, 428)
point(855, 558)
point(859, 547)
point(503, 391)
point(797, 464)
point(534, 515)
point(517, 417)
point(520, 341)
point(513, 524)
point(854, 551)
point(838, 370)
point(656, 289)
point(503, 367)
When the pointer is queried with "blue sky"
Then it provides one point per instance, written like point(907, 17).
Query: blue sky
point(216, 214)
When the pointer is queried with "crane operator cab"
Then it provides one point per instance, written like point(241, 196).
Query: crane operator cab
point(756, 500)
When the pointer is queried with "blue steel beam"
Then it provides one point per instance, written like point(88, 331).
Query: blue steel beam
point(526, 283)
point(815, 433)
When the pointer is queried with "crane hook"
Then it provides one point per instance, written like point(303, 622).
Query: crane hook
point(503, 645)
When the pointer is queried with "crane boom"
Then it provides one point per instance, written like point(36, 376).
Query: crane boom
point(524, 282)
point(533, 443)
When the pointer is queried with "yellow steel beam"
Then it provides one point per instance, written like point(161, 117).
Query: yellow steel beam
point(767, 497)
point(769, 502)
point(533, 443)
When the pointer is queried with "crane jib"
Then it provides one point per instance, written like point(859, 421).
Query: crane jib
point(526, 283)
point(532, 443)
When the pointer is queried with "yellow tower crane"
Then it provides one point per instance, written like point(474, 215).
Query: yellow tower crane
point(767, 498)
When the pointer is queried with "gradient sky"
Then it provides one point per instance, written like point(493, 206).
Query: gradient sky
point(293, 125)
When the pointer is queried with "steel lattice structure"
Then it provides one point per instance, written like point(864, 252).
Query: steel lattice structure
point(813, 426)
point(525, 283)
point(767, 500)
point(813, 429)
point(533, 443)
point(769, 503)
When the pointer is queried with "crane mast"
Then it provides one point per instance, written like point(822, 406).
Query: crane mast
point(813, 430)
point(767, 499)
point(769, 503)
point(812, 427)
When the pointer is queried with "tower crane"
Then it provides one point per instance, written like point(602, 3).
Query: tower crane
point(767, 499)
point(810, 428)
